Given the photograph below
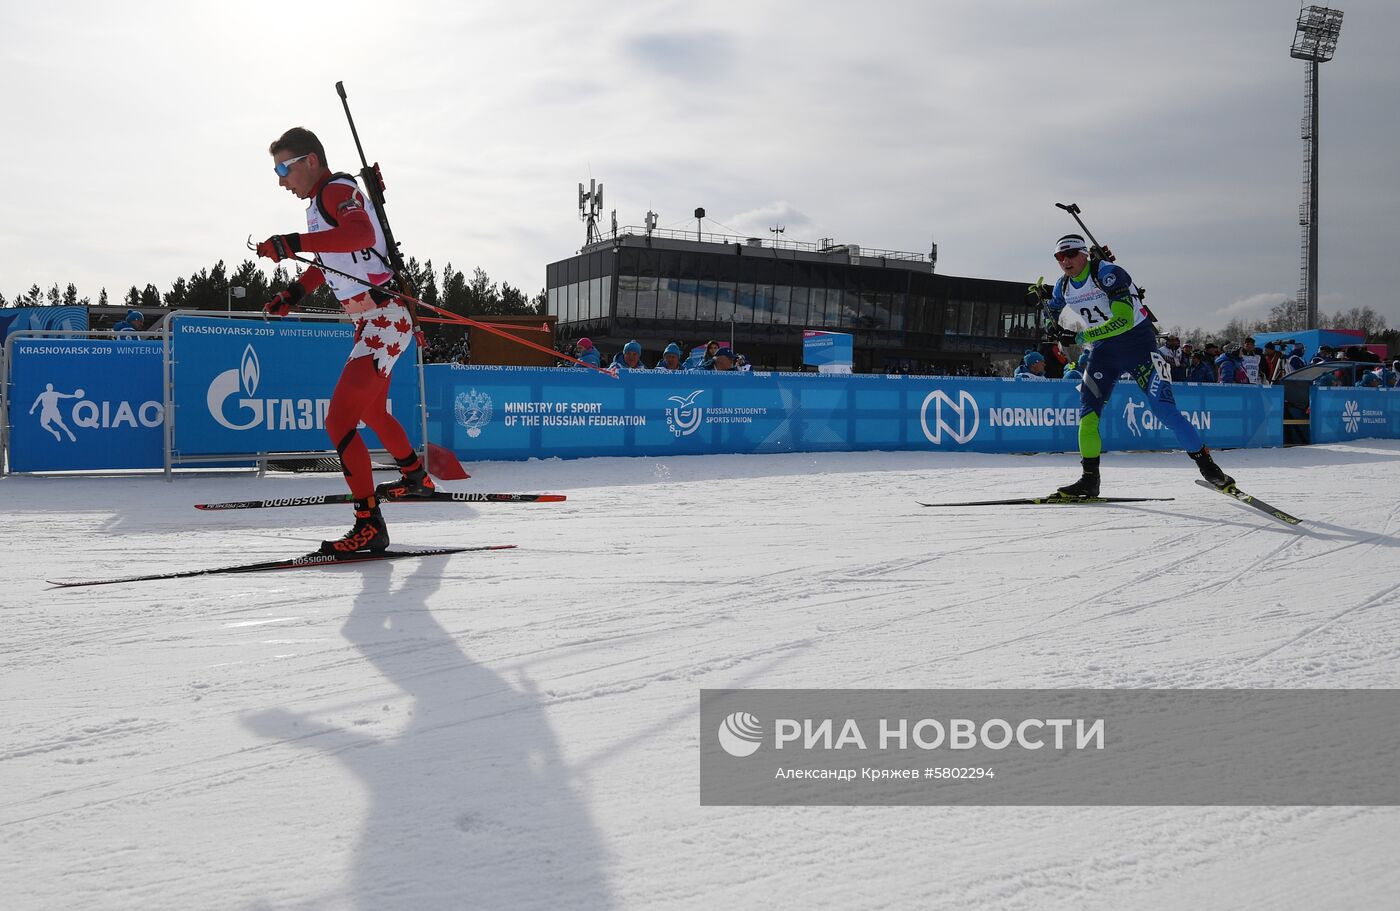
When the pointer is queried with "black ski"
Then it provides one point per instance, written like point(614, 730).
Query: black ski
point(304, 562)
point(1237, 494)
point(1054, 501)
point(439, 496)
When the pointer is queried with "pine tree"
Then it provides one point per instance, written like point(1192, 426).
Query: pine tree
point(70, 295)
point(132, 298)
point(178, 294)
point(54, 297)
point(150, 298)
point(102, 298)
point(428, 288)
point(454, 290)
point(482, 295)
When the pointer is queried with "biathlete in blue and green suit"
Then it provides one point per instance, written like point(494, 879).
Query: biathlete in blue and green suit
point(1124, 341)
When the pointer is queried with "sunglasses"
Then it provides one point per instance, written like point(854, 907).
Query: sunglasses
point(283, 168)
point(1063, 255)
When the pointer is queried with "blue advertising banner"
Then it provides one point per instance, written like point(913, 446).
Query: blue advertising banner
point(15, 319)
point(521, 413)
point(79, 404)
point(1339, 415)
point(244, 387)
point(824, 349)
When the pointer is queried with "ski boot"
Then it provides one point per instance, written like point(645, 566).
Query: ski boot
point(1088, 484)
point(369, 534)
point(1211, 471)
point(412, 484)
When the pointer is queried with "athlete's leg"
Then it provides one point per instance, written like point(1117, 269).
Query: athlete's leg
point(1100, 376)
point(360, 386)
point(1158, 391)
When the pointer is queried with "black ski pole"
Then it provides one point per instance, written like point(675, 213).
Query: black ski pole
point(1096, 251)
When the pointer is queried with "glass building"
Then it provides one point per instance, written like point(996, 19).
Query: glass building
point(668, 286)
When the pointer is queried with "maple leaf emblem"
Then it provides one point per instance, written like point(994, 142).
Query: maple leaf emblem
point(374, 341)
point(393, 350)
point(381, 321)
point(403, 326)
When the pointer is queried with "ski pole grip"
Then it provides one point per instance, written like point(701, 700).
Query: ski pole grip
point(340, 90)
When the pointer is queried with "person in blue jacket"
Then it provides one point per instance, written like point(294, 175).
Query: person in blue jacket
point(1100, 294)
point(1229, 367)
point(1201, 370)
point(1371, 379)
point(670, 358)
point(1032, 367)
point(588, 353)
point(135, 322)
point(630, 357)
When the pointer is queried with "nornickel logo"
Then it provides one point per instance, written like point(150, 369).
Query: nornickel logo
point(741, 734)
point(964, 410)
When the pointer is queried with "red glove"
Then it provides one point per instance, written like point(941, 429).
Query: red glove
point(280, 305)
point(280, 246)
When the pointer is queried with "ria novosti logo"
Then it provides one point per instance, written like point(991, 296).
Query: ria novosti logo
point(741, 734)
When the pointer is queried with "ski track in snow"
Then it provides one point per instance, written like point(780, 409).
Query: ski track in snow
point(517, 729)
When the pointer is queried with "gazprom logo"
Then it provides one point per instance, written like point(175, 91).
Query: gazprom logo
point(244, 377)
point(964, 411)
point(248, 412)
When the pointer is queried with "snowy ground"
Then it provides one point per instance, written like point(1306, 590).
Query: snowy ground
point(517, 729)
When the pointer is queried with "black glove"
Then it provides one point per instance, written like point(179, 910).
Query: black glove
point(1102, 253)
point(280, 246)
point(281, 303)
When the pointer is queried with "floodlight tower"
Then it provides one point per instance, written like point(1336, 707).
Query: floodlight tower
point(1316, 42)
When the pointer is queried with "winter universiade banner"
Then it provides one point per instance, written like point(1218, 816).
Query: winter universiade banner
point(1342, 415)
point(17, 319)
point(245, 386)
point(521, 413)
point(266, 389)
point(81, 404)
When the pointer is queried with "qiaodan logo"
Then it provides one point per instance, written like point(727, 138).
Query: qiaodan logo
point(686, 417)
point(473, 411)
point(1351, 417)
point(741, 734)
point(964, 410)
point(94, 415)
point(1130, 411)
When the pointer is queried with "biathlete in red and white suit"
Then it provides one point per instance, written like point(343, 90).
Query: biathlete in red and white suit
point(343, 231)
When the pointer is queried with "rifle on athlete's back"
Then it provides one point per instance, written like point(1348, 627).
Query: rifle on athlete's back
point(373, 181)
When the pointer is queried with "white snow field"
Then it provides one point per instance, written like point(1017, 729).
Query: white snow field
point(518, 729)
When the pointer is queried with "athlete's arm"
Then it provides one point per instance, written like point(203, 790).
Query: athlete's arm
point(355, 230)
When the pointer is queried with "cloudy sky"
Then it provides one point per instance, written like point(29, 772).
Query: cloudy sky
point(136, 133)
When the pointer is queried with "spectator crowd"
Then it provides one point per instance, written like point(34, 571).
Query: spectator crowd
point(1230, 363)
point(713, 356)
